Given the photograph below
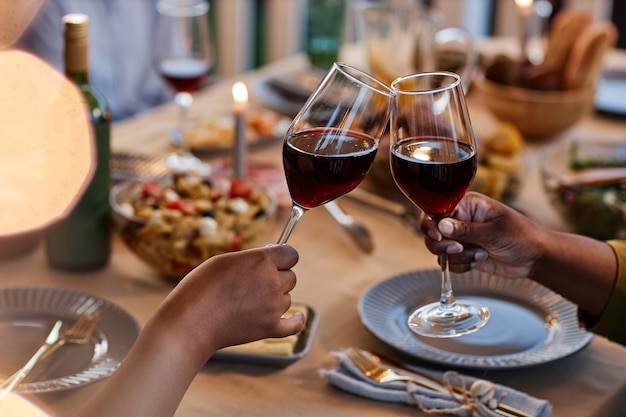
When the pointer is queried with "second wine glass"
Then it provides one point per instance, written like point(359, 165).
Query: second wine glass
point(183, 57)
point(433, 162)
point(332, 141)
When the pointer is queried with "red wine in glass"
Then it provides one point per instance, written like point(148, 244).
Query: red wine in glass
point(333, 139)
point(322, 164)
point(184, 74)
point(433, 172)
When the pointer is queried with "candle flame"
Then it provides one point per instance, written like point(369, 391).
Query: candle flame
point(524, 4)
point(240, 93)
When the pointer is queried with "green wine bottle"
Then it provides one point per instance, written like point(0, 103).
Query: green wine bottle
point(82, 240)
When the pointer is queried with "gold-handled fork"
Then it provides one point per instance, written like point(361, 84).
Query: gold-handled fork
point(79, 333)
point(373, 369)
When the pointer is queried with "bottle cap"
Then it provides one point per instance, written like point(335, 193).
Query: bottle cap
point(76, 31)
point(76, 25)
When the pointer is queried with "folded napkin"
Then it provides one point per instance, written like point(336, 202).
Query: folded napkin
point(348, 377)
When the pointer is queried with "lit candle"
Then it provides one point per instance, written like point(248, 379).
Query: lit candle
point(240, 96)
point(526, 9)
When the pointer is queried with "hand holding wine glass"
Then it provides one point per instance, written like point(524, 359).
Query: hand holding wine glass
point(433, 162)
point(183, 57)
point(332, 141)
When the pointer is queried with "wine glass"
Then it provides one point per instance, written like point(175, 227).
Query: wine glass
point(433, 162)
point(332, 141)
point(183, 57)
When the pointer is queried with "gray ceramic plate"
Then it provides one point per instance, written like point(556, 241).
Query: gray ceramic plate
point(28, 314)
point(529, 324)
point(302, 347)
point(610, 93)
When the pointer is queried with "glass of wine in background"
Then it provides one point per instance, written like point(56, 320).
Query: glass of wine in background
point(332, 141)
point(183, 57)
point(433, 162)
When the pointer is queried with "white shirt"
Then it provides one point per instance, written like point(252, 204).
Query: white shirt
point(120, 55)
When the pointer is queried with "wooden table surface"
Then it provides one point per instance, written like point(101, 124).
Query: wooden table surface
point(332, 274)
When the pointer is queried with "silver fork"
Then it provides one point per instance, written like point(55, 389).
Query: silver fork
point(374, 370)
point(382, 374)
point(79, 333)
point(125, 165)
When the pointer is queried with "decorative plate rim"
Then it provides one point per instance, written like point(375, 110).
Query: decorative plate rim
point(377, 303)
point(65, 304)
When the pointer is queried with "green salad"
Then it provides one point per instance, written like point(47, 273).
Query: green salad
point(594, 197)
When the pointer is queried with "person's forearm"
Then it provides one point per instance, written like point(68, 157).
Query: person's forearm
point(150, 382)
point(581, 269)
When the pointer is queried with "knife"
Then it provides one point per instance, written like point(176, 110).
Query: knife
point(355, 229)
point(408, 214)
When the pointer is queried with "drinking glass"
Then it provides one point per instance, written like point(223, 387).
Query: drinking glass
point(403, 37)
point(332, 141)
point(183, 57)
point(433, 162)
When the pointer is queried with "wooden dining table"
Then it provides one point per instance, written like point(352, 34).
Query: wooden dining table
point(332, 275)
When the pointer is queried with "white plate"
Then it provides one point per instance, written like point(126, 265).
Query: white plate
point(28, 314)
point(529, 324)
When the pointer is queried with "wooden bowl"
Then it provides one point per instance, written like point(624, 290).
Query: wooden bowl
point(537, 114)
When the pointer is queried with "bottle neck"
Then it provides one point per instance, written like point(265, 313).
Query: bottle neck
point(78, 77)
point(76, 59)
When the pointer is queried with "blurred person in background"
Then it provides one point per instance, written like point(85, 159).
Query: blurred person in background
point(120, 62)
point(491, 237)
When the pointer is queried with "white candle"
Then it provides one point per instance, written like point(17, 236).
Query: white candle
point(240, 96)
point(525, 8)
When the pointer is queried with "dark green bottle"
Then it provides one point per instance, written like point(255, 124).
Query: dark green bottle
point(82, 241)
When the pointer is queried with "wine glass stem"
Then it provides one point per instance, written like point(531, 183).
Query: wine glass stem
point(447, 300)
point(183, 100)
point(294, 216)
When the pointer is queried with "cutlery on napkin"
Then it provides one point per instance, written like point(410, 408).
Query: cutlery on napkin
point(348, 377)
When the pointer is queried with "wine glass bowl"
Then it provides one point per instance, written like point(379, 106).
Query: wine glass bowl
point(319, 174)
point(433, 161)
point(183, 58)
point(333, 140)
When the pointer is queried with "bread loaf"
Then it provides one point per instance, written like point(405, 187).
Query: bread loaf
point(568, 24)
point(586, 60)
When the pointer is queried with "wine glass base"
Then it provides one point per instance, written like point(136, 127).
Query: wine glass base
point(463, 318)
point(187, 163)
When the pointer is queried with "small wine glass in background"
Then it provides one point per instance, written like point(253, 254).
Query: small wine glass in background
point(433, 162)
point(183, 57)
point(332, 141)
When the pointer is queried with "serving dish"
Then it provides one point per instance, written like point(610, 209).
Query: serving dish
point(540, 115)
point(215, 134)
point(28, 314)
point(301, 346)
point(530, 324)
point(174, 225)
point(265, 91)
point(585, 180)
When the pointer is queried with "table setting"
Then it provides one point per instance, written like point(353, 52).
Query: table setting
point(363, 273)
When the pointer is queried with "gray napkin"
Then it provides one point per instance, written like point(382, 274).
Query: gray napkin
point(347, 377)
